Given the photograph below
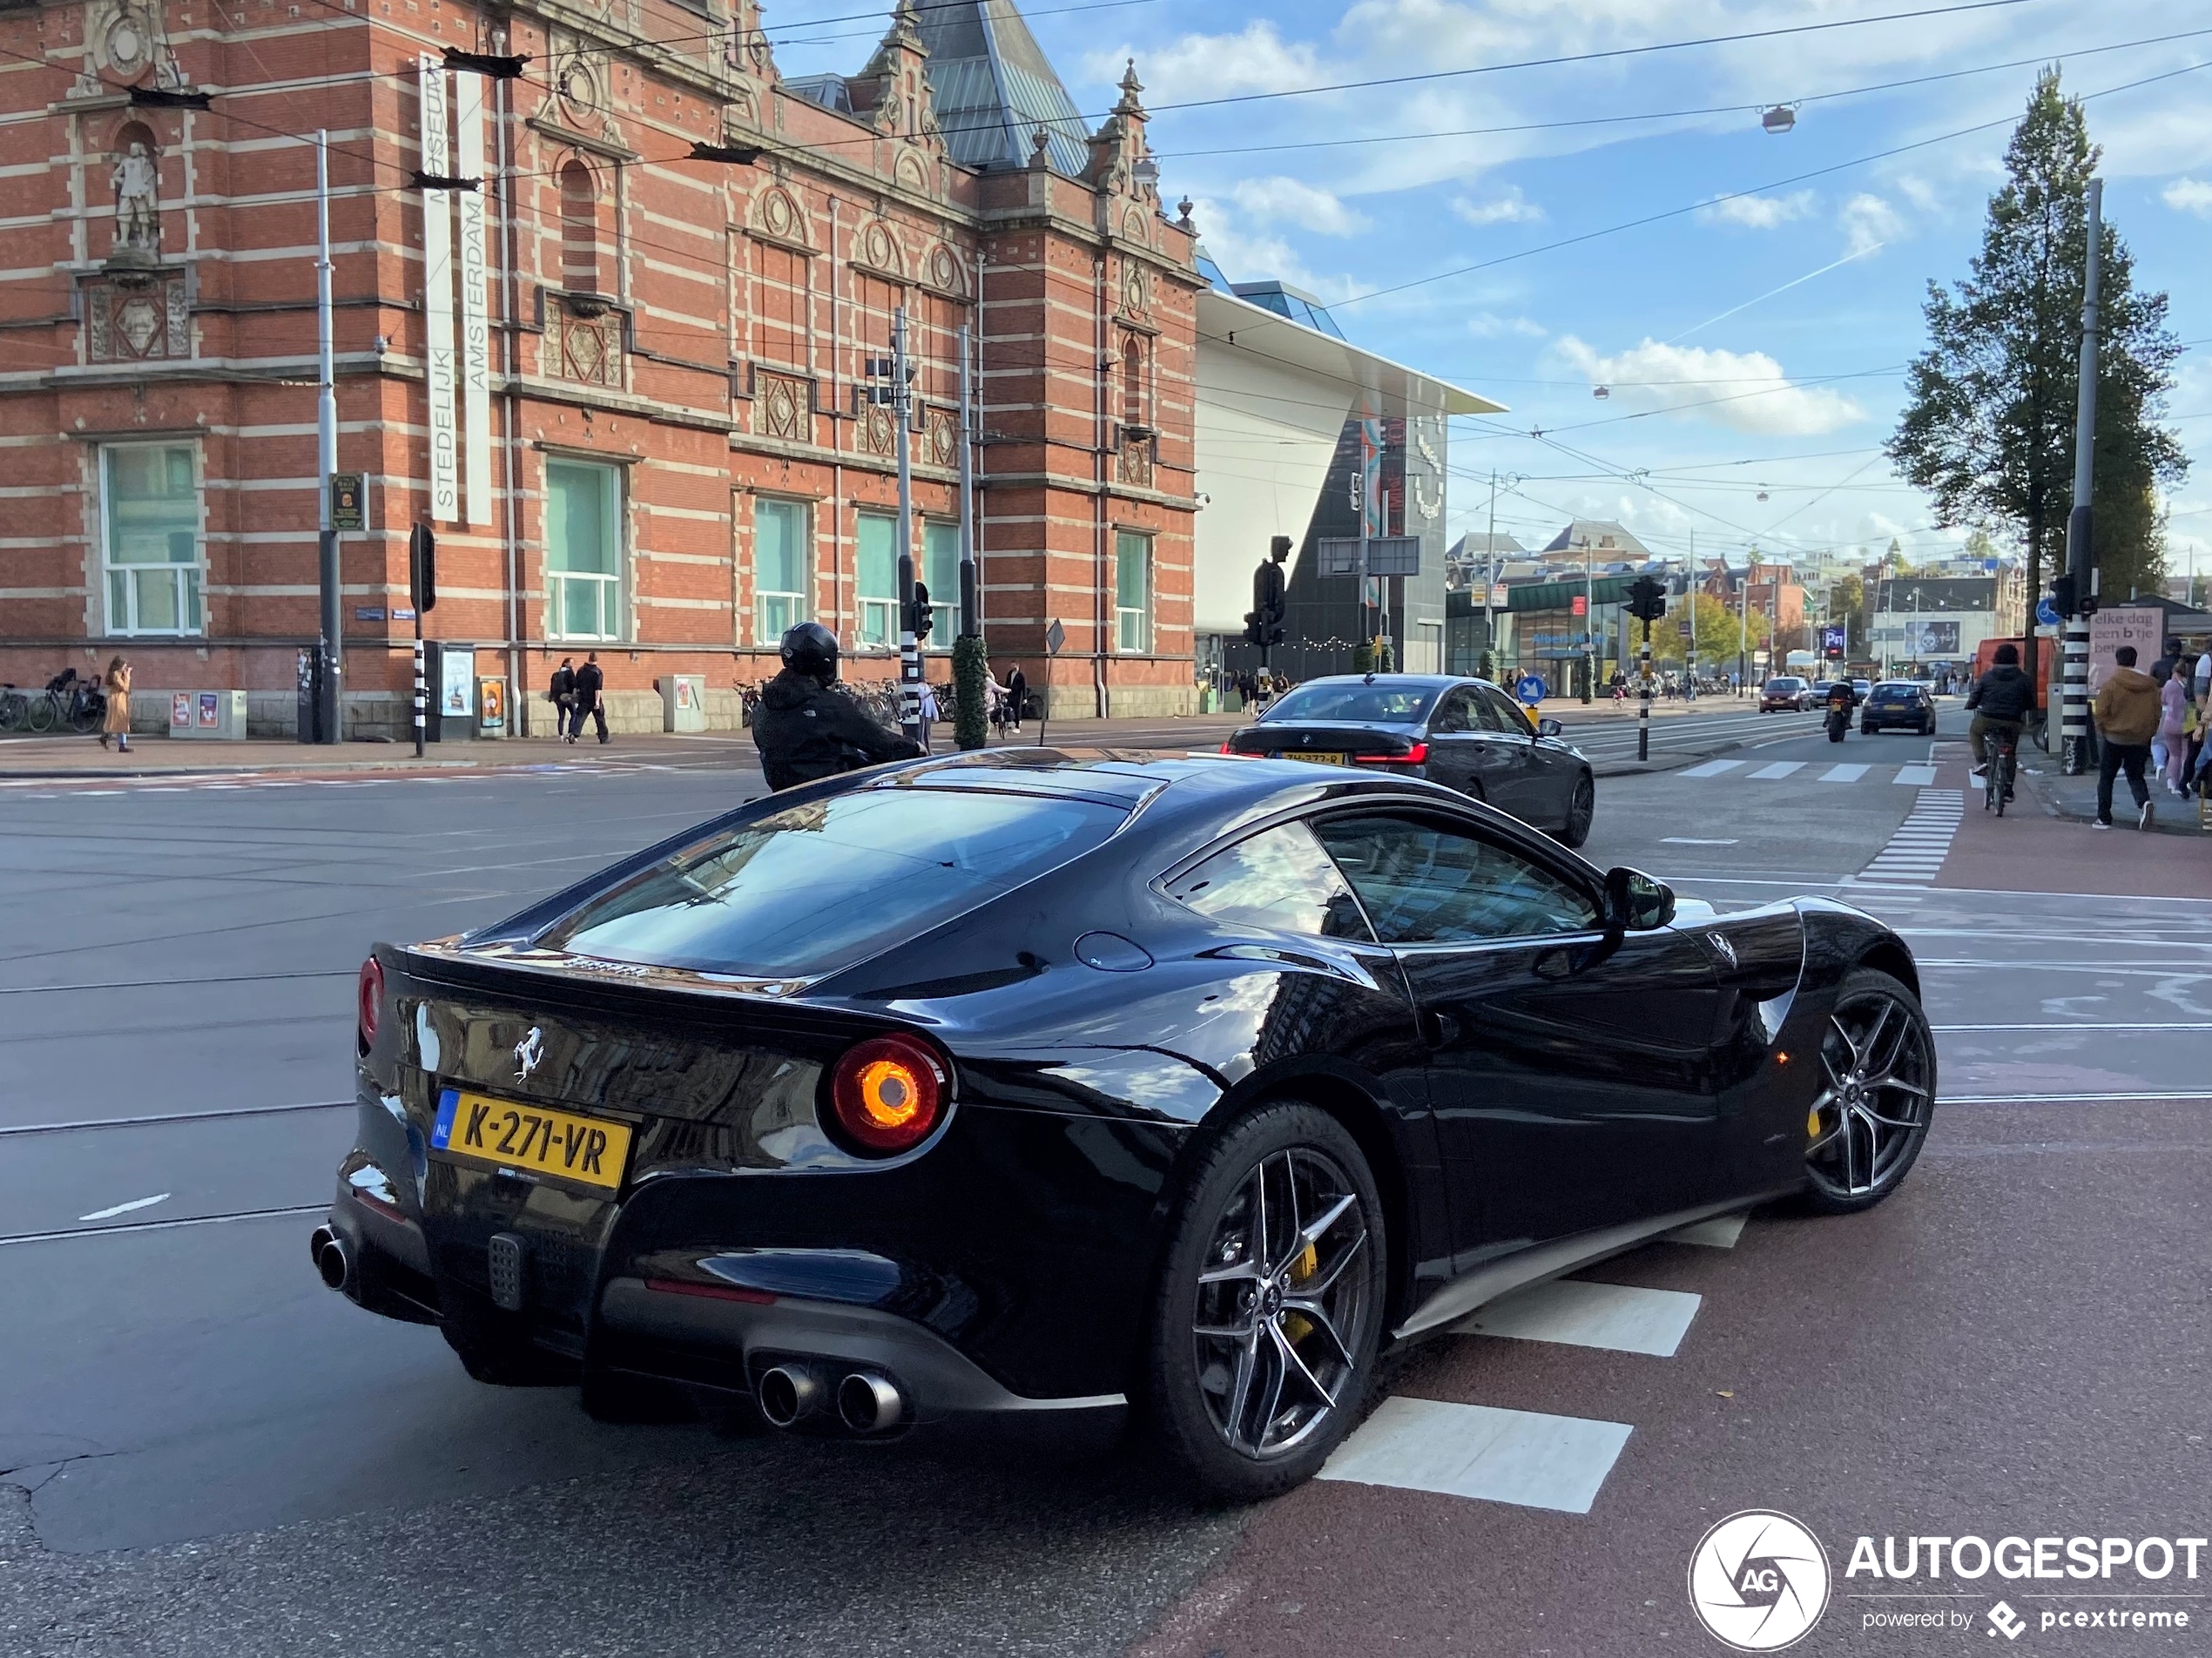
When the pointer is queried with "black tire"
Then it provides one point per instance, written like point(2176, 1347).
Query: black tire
point(1581, 808)
point(1194, 1382)
point(1856, 1107)
point(88, 715)
point(39, 717)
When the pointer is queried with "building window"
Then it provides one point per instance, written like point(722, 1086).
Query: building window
point(780, 568)
point(1133, 381)
point(579, 229)
point(583, 551)
point(1132, 593)
point(149, 538)
point(878, 586)
point(940, 574)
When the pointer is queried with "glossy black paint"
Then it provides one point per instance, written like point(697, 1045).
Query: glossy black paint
point(1478, 740)
point(1508, 1094)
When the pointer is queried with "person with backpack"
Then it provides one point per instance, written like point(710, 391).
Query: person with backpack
point(560, 691)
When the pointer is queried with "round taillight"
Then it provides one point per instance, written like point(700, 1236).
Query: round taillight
point(887, 1093)
point(369, 1001)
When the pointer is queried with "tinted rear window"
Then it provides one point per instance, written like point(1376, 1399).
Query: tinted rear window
point(1357, 705)
point(1895, 694)
point(814, 888)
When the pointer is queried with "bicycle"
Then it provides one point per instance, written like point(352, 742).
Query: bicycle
point(2003, 759)
point(15, 707)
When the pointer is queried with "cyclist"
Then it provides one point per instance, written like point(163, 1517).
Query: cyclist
point(2000, 701)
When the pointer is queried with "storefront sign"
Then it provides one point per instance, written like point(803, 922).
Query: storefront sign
point(475, 330)
point(2141, 626)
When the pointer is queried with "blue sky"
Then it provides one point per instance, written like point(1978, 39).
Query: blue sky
point(1720, 387)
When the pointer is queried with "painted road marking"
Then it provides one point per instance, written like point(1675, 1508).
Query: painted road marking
point(1713, 768)
point(1617, 1316)
point(124, 1209)
point(1916, 777)
point(1914, 854)
point(1719, 1234)
point(1780, 769)
point(1845, 773)
point(1520, 1457)
point(1691, 840)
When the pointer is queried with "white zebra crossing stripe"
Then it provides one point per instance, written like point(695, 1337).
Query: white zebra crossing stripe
point(1713, 768)
point(1617, 1316)
point(1845, 773)
point(1520, 1457)
point(1780, 769)
point(1919, 777)
point(1719, 1234)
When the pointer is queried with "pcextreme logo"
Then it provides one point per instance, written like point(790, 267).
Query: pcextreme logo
point(1758, 1580)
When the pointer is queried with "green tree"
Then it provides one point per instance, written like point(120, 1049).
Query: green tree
point(1988, 426)
point(1716, 635)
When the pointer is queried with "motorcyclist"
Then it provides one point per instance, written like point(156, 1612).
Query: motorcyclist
point(2000, 701)
point(809, 728)
point(1841, 699)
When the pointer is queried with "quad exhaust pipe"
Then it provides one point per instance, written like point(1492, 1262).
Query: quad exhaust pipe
point(331, 1261)
point(864, 1401)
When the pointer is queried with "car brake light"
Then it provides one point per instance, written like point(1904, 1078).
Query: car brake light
point(888, 1094)
point(1417, 755)
point(1227, 747)
point(368, 997)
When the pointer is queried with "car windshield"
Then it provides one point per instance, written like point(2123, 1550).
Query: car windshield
point(816, 888)
point(1786, 684)
point(1355, 702)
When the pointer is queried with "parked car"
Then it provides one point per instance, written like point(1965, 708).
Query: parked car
point(1467, 734)
point(1022, 1090)
point(1783, 691)
point(1898, 705)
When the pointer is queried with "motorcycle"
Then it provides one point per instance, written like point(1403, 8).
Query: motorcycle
point(1838, 721)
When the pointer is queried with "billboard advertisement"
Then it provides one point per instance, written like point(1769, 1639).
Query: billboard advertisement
point(1932, 639)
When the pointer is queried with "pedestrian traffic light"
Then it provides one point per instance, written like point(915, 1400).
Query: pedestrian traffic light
point(2064, 596)
point(423, 568)
point(1255, 630)
point(922, 618)
point(1647, 598)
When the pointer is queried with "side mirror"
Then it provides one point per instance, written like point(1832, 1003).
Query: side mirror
point(1548, 727)
point(1635, 902)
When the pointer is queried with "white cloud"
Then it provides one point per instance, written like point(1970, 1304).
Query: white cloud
point(1277, 200)
point(1198, 66)
point(1488, 324)
point(1919, 191)
point(1758, 213)
point(2188, 196)
point(1869, 221)
point(1746, 391)
point(1512, 208)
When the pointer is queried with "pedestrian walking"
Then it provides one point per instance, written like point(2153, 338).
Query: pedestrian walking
point(117, 722)
point(2173, 727)
point(1017, 691)
point(2127, 712)
point(560, 691)
point(590, 682)
point(927, 712)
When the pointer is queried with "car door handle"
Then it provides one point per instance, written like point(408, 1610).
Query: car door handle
point(1438, 1030)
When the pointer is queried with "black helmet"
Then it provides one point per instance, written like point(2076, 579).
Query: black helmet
point(811, 649)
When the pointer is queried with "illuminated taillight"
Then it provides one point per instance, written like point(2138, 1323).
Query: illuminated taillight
point(368, 1000)
point(1228, 747)
point(888, 1094)
point(1417, 755)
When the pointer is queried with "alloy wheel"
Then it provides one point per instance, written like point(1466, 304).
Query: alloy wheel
point(1580, 811)
point(1872, 1110)
point(1278, 1303)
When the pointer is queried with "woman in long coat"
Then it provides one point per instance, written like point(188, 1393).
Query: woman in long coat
point(118, 722)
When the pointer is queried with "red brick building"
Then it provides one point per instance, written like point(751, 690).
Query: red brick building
point(629, 386)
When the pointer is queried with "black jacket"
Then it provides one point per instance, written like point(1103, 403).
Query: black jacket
point(2005, 692)
point(806, 730)
point(562, 687)
point(587, 681)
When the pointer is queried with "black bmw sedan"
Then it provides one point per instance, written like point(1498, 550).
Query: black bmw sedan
point(1039, 1090)
point(1466, 734)
point(1898, 705)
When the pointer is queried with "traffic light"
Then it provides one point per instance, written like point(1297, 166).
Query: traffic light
point(2064, 596)
point(1647, 598)
point(922, 619)
point(1255, 630)
point(423, 570)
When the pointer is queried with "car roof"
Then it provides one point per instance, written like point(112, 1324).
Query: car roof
point(1432, 681)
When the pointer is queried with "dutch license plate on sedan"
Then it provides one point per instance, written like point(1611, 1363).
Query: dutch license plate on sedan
point(1316, 760)
point(589, 1150)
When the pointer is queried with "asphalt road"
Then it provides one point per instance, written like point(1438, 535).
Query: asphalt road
point(202, 1451)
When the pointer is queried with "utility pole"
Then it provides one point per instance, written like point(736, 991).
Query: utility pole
point(2074, 713)
point(1490, 584)
point(970, 621)
point(909, 649)
point(1743, 627)
point(1589, 627)
point(330, 660)
point(1689, 659)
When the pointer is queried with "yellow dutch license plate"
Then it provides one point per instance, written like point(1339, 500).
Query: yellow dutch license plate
point(1316, 760)
point(591, 1151)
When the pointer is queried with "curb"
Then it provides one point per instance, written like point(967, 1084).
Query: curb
point(2161, 822)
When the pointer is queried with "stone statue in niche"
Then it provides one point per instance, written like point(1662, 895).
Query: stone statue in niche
point(138, 205)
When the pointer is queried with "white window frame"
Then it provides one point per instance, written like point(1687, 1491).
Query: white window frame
point(875, 620)
point(799, 605)
point(191, 579)
point(1140, 614)
point(610, 607)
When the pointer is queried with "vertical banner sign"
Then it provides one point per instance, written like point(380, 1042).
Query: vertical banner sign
point(437, 296)
point(476, 331)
